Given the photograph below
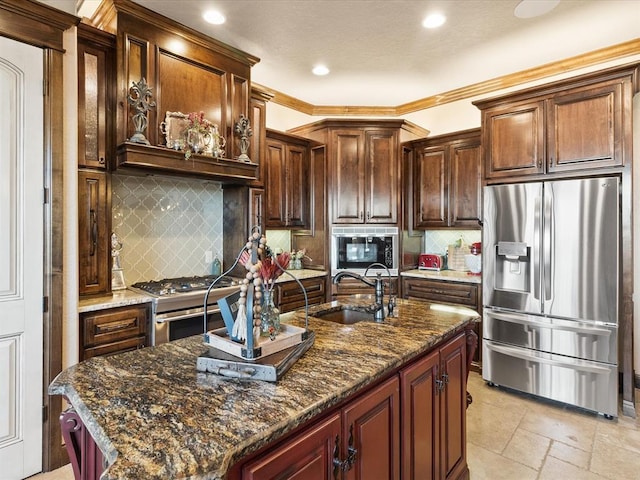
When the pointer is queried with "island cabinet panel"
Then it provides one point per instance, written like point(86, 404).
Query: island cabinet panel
point(573, 126)
point(433, 392)
point(371, 434)
point(447, 181)
point(306, 457)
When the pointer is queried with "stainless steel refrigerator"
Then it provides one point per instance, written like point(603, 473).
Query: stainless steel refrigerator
point(550, 290)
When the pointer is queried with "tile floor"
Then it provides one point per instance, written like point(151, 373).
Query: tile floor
point(511, 436)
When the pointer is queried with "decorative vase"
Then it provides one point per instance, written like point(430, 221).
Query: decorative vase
point(269, 316)
point(198, 140)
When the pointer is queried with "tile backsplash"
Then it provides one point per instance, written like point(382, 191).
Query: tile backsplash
point(166, 225)
point(437, 241)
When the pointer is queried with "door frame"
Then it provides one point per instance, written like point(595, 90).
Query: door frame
point(42, 26)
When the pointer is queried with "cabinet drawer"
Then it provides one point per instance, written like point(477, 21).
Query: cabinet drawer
point(448, 292)
point(108, 326)
point(351, 286)
point(292, 298)
point(115, 347)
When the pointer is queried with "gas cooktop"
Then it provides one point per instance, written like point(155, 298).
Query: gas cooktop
point(169, 286)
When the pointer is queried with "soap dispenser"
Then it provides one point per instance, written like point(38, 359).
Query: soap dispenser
point(216, 268)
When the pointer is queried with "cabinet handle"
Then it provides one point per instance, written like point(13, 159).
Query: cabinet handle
point(94, 231)
point(439, 386)
point(361, 216)
point(445, 380)
point(368, 215)
point(337, 463)
point(351, 452)
point(539, 162)
point(101, 160)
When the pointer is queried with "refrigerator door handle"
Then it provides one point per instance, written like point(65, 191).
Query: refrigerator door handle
point(547, 247)
point(551, 326)
point(535, 260)
point(528, 355)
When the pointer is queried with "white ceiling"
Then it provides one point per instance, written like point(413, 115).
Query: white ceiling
point(379, 53)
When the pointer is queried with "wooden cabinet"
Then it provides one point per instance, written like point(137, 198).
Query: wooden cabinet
point(410, 426)
point(287, 181)
point(290, 297)
point(94, 227)
point(113, 330)
point(360, 442)
point(433, 392)
point(186, 71)
point(96, 54)
point(365, 176)
point(447, 181)
point(454, 293)
point(572, 126)
point(363, 167)
point(96, 80)
point(308, 456)
point(351, 286)
point(258, 141)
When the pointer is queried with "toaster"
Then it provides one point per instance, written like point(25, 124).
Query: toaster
point(431, 261)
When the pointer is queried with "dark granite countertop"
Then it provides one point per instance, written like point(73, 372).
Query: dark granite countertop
point(155, 417)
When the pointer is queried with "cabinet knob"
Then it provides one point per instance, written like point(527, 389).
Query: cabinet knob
point(101, 160)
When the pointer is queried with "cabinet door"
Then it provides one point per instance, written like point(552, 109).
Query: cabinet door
point(431, 187)
point(513, 139)
point(371, 434)
point(420, 418)
point(275, 185)
point(257, 142)
point(291, 297)
point(94, 224)
point(381, 176)
point(347, 177)
point(92, 107)
point(465, 195)
point(585, 129)
point(305, 457)
point(453, 407)
point(297, 184)
point(256, 208)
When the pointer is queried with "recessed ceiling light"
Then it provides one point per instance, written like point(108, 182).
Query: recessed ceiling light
point(214, 17)
point(434, 20)
point(320, 70)
point(534, 8)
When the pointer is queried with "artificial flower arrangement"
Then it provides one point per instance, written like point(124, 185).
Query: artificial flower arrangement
point(196, 132)
point(263, 268)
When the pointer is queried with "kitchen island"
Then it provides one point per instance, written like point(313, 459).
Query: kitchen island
point(153, 416)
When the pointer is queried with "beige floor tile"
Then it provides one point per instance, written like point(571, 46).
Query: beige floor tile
point(527, 448)
point(491, 426)
point(569, 454)
point(487, 465)
point(63, 473)
point(616, 433)
point(614, 462)
point(574, 429)
point(556, 469)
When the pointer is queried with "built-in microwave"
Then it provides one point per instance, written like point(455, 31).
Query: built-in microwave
point(355, 248)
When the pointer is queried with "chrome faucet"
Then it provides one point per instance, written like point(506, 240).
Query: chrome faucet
point(377, 284)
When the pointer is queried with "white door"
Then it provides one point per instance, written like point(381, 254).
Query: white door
point(21, 263)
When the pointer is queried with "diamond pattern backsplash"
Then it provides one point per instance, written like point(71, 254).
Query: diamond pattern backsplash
point(166, 225)
point(437, 241)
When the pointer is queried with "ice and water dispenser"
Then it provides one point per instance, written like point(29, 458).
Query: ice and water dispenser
point(513, 267)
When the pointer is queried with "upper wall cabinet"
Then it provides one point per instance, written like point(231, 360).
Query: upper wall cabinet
point(571, 126)
point(186, 72)
point(363, 167)
point(287, 181)
point(447, 181)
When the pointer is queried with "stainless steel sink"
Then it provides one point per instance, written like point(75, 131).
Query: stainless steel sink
point(344, 316)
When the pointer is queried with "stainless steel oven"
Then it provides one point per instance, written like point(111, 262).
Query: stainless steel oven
point(355, 248)
point(178, 306)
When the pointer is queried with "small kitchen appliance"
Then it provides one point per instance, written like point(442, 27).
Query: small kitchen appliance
point(432, 261)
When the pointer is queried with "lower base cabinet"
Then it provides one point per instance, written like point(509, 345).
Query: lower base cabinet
point(410, 427)
point(434, 406)
point(360, 442)
point(290, 296)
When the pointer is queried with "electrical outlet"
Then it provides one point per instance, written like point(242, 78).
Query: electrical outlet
point(208, 256)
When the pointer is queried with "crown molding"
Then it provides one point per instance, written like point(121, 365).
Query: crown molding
point(595, 57)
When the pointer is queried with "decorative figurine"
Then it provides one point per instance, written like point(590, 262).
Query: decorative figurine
point(244, 130)
point(140, 99)
point(117, 275)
